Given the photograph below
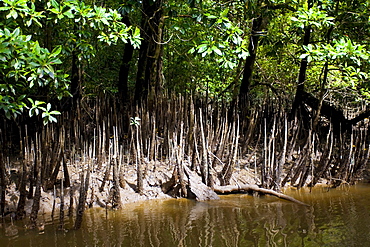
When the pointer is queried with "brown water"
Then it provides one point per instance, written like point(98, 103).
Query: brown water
point(336, 217)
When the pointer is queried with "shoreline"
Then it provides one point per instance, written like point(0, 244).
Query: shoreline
point(50, 202)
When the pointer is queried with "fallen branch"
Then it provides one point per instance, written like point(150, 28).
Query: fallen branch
point(203, 193)
point(254, 188)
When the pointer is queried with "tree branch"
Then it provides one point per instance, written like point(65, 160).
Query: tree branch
point(255, 188)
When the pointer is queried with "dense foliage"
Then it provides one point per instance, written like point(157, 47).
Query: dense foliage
point(37, 40)
point(218, 49)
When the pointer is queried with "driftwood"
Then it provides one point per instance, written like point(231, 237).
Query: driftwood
point(203, 193)
point(254, 188)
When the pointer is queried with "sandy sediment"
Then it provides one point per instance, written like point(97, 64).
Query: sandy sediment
point(156, 173)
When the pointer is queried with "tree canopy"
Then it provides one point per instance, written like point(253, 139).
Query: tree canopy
point(224, 50)
point(37, 40)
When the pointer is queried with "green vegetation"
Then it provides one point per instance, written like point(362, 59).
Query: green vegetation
point(221, 50)
point(38, 40)
point(282, 85)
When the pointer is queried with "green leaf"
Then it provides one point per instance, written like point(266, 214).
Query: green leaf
point(69, 14)
point(303, 56)
point(225, 12)
point(55, 113)
point(12, 14)
point(56, 51)
point(52, 119)
point(4, 8)
point(211, 16)
point(217, 51)
point(135, 121)
point(201, 48)
point(136, 32)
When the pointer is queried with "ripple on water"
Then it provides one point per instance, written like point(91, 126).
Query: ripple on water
point(336, 217)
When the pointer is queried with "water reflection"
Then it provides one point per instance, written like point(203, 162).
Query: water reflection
point(336, 218)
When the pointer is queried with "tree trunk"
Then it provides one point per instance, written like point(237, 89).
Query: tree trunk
point(82, 199)
point(2, 184)
point(141, 86)
point(336, 116)
point(258, 25)
point(149, 64)
point(302, 69)
point(125, 68)
point(139, 167)
point(123, 79)
point(75, 78)
point(22, 191)
point(249, 63)
point(321, 97)
point(61, 212)
point(116, 197)
point(36, 198)
point(67, 180)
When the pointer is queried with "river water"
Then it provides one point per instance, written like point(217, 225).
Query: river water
point(336, 217)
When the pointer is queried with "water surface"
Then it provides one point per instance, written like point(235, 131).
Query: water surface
point(336, 217)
